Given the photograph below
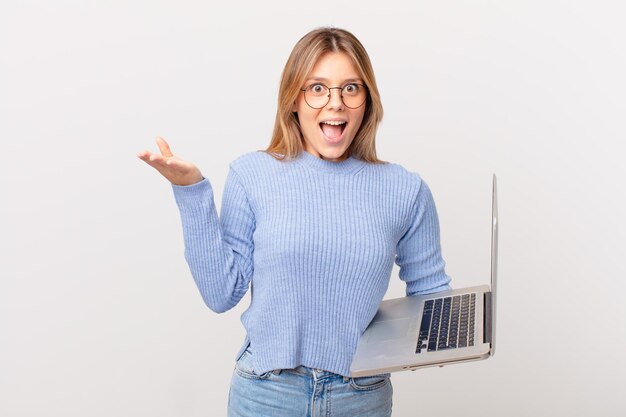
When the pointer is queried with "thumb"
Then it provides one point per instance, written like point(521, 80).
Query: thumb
point(163, 147)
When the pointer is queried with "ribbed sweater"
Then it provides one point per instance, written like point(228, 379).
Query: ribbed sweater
point(315, 241)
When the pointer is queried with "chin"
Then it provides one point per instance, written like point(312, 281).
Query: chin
point(334, 154)
point(335, 151)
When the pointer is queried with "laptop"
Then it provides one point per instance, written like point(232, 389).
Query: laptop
point(438, 329)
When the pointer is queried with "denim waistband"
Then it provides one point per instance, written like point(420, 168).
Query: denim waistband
point(314, 373)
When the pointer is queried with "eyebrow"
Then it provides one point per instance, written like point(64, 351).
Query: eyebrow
point(326, 79)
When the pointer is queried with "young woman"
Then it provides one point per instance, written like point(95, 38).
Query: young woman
point(312, 225)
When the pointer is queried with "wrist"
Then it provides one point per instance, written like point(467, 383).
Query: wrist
point(187, 181)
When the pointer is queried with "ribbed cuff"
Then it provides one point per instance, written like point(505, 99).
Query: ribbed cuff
point(187, 195)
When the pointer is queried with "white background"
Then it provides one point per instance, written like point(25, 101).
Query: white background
point(99, 315)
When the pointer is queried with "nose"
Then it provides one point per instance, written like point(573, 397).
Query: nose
point(335, 101)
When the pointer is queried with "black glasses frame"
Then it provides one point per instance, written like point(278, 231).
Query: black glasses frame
point(330, 92)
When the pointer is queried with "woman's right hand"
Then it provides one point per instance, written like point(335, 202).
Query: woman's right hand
point(177, 171)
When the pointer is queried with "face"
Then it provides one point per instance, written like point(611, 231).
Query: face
point(329, 131)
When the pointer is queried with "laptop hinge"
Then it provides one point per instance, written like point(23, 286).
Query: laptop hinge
point(487, 318)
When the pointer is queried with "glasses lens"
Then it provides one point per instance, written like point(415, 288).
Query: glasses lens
point(353, 95)
point(316, 95)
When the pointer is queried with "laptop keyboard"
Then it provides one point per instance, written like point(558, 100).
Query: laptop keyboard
point(447, 323)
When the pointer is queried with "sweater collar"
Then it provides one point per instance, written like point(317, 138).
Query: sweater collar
point(347, 166)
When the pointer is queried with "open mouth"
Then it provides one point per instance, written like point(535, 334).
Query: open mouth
point(333, 129)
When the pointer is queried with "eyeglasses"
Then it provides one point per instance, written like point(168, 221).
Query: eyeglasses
point(317, 95)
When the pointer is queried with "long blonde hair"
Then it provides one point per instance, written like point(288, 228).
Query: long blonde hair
point(287, 136)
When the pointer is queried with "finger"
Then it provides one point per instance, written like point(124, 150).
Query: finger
point(151, 158)
point(164, 147)
point(157, 162)
point(180, 166)
point(176, 164)
point(160, 162)
point(158, 159)
point(143, 154)
point(148, 156)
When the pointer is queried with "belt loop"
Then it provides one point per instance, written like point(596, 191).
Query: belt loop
point(346, 379)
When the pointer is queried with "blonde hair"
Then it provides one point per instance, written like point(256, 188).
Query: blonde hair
point(287, 136)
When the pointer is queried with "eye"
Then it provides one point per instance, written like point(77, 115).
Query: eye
point(351, 89)
point(317, 89)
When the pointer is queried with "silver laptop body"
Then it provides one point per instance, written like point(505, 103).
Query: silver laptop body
point(395, 339)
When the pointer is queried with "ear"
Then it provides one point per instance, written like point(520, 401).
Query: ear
point(294, 108)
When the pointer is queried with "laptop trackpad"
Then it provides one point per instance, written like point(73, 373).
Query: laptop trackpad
point(388, 329)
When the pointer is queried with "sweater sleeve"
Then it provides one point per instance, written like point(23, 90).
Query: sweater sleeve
point(218, 250)
point(418, 253)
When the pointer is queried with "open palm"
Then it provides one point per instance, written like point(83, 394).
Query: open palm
point(176, 170)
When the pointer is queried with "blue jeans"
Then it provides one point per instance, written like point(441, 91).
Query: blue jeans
point(306, 392)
